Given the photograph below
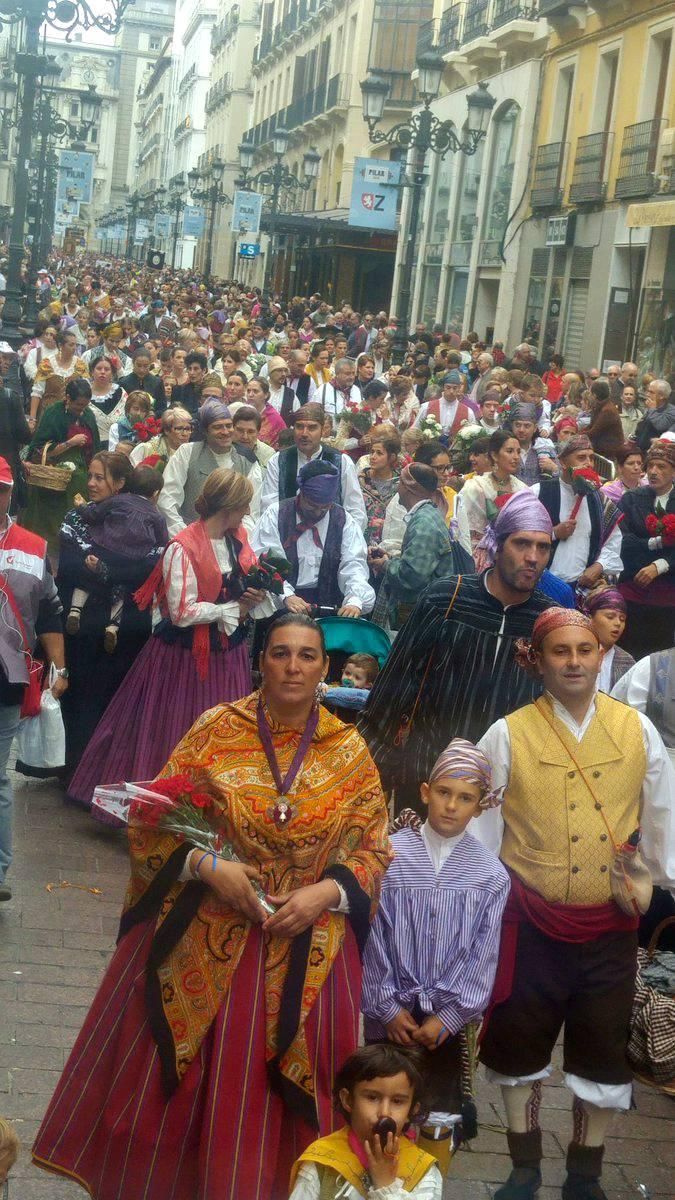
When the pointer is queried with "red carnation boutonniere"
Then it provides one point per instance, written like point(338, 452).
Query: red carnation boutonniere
point(584, 482)
point(661, 527)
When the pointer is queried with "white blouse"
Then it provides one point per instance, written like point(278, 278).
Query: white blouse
point(201, 612)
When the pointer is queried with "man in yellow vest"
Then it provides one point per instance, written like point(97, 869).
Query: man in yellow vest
point(582, 773)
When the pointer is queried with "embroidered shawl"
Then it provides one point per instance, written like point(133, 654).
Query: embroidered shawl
point(339, 830)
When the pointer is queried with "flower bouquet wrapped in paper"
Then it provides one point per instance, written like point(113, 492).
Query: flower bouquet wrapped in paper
point(584, 481)
point(269, 573)
point(175, 805)
point(662, 527)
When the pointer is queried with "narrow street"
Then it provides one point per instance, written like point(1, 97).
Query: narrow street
point(54, 945)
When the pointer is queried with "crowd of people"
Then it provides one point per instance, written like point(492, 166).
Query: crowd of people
point(191, 475)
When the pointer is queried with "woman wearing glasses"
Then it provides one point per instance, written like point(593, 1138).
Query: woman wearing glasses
point(176, 430)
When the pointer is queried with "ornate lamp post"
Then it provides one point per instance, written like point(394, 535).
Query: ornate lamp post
point(422, 133)
point(176, 205)
point(30, 65)
point(208, 186)
point(278, 178)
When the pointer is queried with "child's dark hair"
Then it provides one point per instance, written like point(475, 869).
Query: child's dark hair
point(145, 481)
point(367, 663)
point(381, 1060)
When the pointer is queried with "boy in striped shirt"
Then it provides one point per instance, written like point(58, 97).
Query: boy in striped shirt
point(431, 956)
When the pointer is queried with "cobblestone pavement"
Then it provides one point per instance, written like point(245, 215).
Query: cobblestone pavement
point(54, 945)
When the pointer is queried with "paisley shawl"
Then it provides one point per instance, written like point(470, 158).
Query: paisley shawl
point(339, 830)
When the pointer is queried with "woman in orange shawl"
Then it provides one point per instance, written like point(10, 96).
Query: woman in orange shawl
point(205, 1065)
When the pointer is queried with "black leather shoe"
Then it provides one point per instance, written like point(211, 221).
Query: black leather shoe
point(522, 1184)
point(582, 1187)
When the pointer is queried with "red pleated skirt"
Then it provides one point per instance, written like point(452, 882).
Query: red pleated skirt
point(159, 700)
point(224, 1134)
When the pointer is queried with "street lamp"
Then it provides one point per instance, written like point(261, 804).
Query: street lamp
point(208, 186)
point(278, 178)
point(30, 65)
point(423, 132)
point(176, 205)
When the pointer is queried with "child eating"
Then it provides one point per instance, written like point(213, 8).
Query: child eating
point(431, 957)
point(379, 1090)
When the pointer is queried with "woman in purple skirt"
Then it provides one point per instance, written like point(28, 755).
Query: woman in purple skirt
point(197, 657)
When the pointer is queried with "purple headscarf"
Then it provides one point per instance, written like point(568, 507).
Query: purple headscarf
point(319, 482)
point(463, 760)
point(607, 598)
point(213, 410)
point(522, 511)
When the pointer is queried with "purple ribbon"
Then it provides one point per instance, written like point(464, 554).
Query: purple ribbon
point(284, 785)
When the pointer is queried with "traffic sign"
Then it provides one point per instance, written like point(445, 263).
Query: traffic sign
point(249, 249)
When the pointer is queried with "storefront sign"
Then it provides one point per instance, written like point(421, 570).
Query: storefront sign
point(249, 249)
point(374, 200)
point(246, 212)
point(162, 226)
point(560, 230)
point(652, 215)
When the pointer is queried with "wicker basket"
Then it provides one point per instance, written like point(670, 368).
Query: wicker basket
point(51, 479)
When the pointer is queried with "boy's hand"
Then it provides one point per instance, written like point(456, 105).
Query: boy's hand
point(402, 1028)
point(382, 1163)
point(79, 500)
point(431, 1034)
point(91, 562)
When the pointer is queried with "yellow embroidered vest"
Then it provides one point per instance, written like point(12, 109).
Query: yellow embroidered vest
point(555, 838)
point(335, 1152)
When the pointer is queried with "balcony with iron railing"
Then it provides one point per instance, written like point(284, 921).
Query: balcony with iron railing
point(593, 153)
point(224, 29)
point(218, 94)
point(636, 175)
point(187, 79)
point(297, 16)
point(547, 192)
point(323, 100)
point(503, 21)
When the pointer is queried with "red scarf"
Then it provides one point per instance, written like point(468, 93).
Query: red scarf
point(196, 543)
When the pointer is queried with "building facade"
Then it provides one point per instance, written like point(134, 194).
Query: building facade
point(596, 277)
point(474, 205)
point(228, 102)
point(308, 64)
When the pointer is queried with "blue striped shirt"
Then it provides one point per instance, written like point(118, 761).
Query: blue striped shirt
point(435, 938)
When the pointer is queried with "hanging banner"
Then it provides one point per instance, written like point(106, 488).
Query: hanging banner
point(374, 199)
point(76, 176)
point(193, 221)
point(66, 209)
point(162, 226)
point(142, 231)
point(246, 212)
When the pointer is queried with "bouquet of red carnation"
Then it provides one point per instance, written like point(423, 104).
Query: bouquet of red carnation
point(147, 429)
point(584, 482)
point(267, 575)
point(662, 527)
point(176, 805)
point(357, 417)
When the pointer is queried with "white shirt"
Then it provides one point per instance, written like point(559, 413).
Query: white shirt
point(352, 496)
point(352, 572)
point(308, 1187)
point(439, 848)
point(633, 689)
point(605, 672)
point(333, 400)
point(172, 494)
point(200, 612)
point(571, 556)
point(276, 399)
point(31, 362)
point(657, 800)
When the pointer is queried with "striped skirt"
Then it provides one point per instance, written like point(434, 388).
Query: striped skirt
point(224, 1134)
point(160, 698)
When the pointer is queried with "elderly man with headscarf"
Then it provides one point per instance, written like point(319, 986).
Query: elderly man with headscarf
point(586, 535)
point(583, 775)
point(188, 469)
point(537, 454)
point(324, 545)
point(429, 550)
point(648, 552)
point(452, 670)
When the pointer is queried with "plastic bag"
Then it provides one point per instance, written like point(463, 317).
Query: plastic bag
point(41, 740)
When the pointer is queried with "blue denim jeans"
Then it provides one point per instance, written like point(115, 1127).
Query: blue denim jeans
point(9, 723)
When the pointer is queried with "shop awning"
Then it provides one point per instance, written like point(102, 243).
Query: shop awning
point(658, 214)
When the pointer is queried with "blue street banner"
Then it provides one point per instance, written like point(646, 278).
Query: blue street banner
point(162, 227)
point(75, 176)
point(246, 212)
point(142, 231)
point(194, 221)
point(249, 249)
point(374, 199)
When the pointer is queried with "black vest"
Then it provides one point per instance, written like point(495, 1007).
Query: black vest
point(549, 495)
point(288, 470)
point(328, 592)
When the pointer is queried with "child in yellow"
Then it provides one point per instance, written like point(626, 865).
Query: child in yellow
point(377, 1081)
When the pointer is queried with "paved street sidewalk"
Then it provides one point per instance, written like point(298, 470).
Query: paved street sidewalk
point(54, 945)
